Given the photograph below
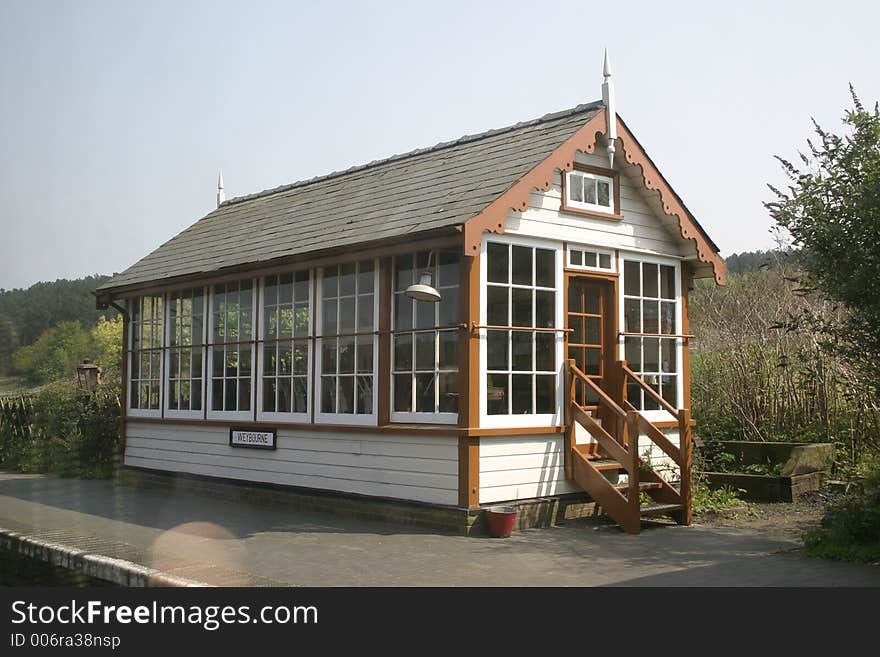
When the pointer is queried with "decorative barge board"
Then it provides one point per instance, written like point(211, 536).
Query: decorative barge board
point(501, 318)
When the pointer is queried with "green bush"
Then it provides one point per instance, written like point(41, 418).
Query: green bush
point(72, 434)
point(851, 528)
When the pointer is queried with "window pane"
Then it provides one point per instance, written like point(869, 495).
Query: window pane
point(365, 355)
point(545, 394)
point(345, 401)
point(403, 312)
point(631, 278)
point(300, 395)
point(667, 356)
point(425, 351)
point(632, 315)
point(497, 306)
point(649, 280)
point(592, 300)
point(403, 272)
point(633, 353)
point(300, 358)
point(652, 354)
point(448, 269)
point(522, 265)
point(366, 277)
point(576, 187)
point(217, 395)
point(346, 314)
point(449, 307)
point(521, 301)
point(365, 395)
point(301, 287)
point(667, 317)
point(284, 395)
point(593, 361)
point(329, 282)
point(594, 330)
point(667, 282)
point(521, 346)
point(285, 289)
point(669, 390)
point(346, 355)
point(577, 336)
point(497, 268)
point(328, 394)
point(605, 261)
point(545, 268)
point(545, 308)
point(604, 193)
point(301, 320)
point(231, 396)
point(589, 258)
point(346, 279)
point(425, 393)
point(268, 395)
point(576, 257)
point(545, 352)
point(650, 317)
point(328, 356)
point(521, 396)
point(403, 393)
point(403, 352)
point(448, 399)
point(425, 313)
point(365, 312)
point(589, 190)
point(285, 359)
point(448, 357)
point(497, 350)
point(497, 394)
point(328, 319)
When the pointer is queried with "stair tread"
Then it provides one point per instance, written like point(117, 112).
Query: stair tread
point(606, 464)
point(643, 485)
point(660, 508)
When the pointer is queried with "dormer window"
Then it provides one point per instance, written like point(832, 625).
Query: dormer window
point(591, 190)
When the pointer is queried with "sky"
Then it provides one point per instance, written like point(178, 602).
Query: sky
point(115, 117)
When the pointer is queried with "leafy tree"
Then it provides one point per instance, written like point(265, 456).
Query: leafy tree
point(831, 209)
point(55, 354)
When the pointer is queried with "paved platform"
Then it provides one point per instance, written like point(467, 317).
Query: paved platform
point(179, 537)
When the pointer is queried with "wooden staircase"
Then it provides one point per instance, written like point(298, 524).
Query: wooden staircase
point(596, 467)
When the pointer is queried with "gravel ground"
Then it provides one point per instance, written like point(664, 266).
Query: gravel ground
point(778, 519)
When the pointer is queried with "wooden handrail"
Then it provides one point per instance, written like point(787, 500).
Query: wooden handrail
point(603, 396)
point(651, 392)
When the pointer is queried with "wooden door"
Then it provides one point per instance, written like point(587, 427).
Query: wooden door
point(590, 320)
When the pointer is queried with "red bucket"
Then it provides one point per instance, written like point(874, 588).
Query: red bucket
point(500, 519)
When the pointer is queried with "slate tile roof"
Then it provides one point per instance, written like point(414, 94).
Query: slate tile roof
point(423, 190)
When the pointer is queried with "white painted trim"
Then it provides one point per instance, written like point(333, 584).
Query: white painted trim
point(583, 205)
point(598, 250)
point(145, 412)
point(166, 360)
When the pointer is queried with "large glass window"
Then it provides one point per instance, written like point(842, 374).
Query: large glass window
point(521, 361)
point(347, 338)
point(186, 338)
point(145, 354)
point(285, 350)
point(650, 315)
point(425, 340)
point(231, 354)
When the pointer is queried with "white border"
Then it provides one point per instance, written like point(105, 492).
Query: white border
point(583, 205)
point(594, 249)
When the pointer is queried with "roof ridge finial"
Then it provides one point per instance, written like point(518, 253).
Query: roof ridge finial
point(610, 109)
point(221, 195)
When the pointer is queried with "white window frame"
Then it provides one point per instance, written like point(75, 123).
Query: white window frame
point(557, 418)
point(146, 412)
point(166, 359)
point(590, 249)
point(209, 359)
point(583, 205)
point(345, 418)
point(657, 415)
point(275, 416)
point(413, 417)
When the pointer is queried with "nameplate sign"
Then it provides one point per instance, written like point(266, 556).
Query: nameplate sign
point(254, 438)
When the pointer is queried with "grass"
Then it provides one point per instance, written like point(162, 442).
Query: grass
point(12, 385)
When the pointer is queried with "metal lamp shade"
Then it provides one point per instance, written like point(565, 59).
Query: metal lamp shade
point(423, 290)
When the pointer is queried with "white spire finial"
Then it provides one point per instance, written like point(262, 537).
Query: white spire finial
point(221, 195)
point(610, 110)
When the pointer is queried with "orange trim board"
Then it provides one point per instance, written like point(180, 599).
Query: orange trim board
point(494, 217)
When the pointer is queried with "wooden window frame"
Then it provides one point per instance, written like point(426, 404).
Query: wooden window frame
point(591, 210)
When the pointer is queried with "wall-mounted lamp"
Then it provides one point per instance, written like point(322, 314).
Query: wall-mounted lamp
point(424, 290)
point(88, 375)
